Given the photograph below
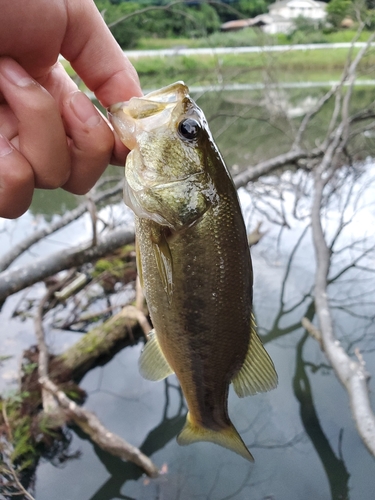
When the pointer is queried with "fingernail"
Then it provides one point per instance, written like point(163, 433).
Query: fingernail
point(84, 109)
point(5, 147)
point(16, 74)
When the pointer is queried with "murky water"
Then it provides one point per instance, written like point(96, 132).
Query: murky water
point(302, 436)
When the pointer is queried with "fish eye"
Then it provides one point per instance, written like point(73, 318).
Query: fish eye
point(188, 128)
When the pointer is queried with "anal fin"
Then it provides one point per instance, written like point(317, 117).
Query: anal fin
point(258, 372)
point(152, 363)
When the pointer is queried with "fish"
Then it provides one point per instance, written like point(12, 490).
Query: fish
point(193, 262)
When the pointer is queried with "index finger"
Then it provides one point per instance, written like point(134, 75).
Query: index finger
point(97, 58)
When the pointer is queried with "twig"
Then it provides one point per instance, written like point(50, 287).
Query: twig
point(266, 167)
point(92, 426)
point(69, 217)
point(94, 217)
point(90, 316)
point(310, 115)
point(49, 404)
point(137, 314)
point(312, 330)
point(18, 483)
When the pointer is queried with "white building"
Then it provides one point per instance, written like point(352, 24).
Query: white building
point(282, 13)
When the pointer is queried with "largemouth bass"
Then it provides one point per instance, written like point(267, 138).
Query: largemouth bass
point(193, 261)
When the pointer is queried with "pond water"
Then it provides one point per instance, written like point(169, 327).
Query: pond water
point(302, 435)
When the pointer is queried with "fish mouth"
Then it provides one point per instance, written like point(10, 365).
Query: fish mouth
point(145, 113)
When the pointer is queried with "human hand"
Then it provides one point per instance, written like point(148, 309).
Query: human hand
point(51, 135)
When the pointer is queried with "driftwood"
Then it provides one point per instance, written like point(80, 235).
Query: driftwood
point(98, 342)
point(17, 279)
point(91, 425)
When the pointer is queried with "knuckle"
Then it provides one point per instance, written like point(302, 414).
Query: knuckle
point(78, 190)
point(16, 189)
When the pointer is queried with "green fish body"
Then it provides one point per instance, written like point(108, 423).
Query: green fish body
point(193, 261)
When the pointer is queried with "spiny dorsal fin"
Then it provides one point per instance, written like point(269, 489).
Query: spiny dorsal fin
point(152, 363)
point(227, 437)
point(258, 372)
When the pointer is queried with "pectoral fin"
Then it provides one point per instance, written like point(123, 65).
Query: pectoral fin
point(164, 263)
point(152, 363)
point(139, 263)
point(258, 372)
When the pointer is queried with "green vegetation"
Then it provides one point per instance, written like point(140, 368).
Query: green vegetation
point(170, 23)
point(312, 65)
point(337, 10)
point(129, 21)
point(253, 37)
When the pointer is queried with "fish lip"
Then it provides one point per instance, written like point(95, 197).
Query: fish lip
point(167, 97)
point(115, 108)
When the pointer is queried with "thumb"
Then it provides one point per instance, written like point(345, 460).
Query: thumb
point(95, 55)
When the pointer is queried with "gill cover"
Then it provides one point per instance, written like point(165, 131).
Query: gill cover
point(171, 188)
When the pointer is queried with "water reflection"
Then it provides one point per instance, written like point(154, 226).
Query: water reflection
point(337, 474)
point(157, 438)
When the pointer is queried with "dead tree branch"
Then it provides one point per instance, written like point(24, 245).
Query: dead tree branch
point(16, 279)
point(49, 404)
point(51, 228)
point(91, 425)
point(98, 342)
point(266, 167)
point(351, 373)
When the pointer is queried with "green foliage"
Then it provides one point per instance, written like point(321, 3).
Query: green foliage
point(245, 38)
point(306, 31)
point(252, 8)
point(337, 10)
point(370, 20)
point(129, 21)
point(29, 368)
point(23, 450)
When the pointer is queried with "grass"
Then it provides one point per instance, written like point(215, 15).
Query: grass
point(250, 37)
point(318, 65)
point(312, 65)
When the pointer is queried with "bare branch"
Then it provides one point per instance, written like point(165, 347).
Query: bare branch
point(63, 221)
point(49, 404)
point(312, 330)
point(351, 374)
point(266, 167)
point(16, 279)
point(310, 115)
point(91, 425)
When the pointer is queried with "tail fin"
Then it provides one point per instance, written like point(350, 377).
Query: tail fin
point(227, 437)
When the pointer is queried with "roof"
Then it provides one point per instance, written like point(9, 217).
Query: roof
point(237, 24)
point(282, 3)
